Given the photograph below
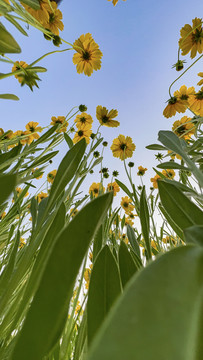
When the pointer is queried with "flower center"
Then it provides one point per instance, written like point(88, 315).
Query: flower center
point(86, 55)
point(123, 146)
point(125, 204)
point(184, 97)
point(172, 100)
point(181, 129)
point(51, 17)
point(80, 133)
point(197, 36)
point(96, 191)
point(199, 95)
point(105, 119)
point(83, 119)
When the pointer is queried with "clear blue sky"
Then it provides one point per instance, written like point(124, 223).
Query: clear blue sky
point(139, 44)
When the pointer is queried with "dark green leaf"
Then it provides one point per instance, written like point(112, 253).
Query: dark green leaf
point(34, 4)
point(133, 240)
point(144, 219)
point(7, 185)
point(172, 165)
point(155, 147)
point(127, 265)
point(124, 188)
point(68, 140)
point(7, 42)
point(194, 235)
point(9, 97)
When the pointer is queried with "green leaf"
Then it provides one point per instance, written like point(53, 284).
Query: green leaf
point(43, 159)
point(172, 165)
point(144, 219)
point(68, 140)
point(181, 210)
point(9, 97)
point(7, 185)
point(155, 147)
point(159, 316)
point(98, 241)
point(49, 309)
point(7, 42)
point(16, 24)
point(124, 188)
point(194, 235)
point(104, 288)
point(173, 225)
point(127, 265)
point(34, 4)
point(133, 241)
point(172, 142)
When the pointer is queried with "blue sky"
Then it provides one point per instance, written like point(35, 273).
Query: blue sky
point(139, 44)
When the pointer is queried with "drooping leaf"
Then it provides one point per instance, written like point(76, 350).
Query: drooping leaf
point(172, 165)
point(9, 97)
point(7, 42)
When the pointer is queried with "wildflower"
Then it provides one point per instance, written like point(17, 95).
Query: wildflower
point(7, 135)
point(91, 257)
point(81, 133)
point(113, 187)
point(96, 154)
point(114, 2)
point(19, 66)
point(104, 170)
point(139, 187)
point(128, 221)
point(54, 22)
point(33, 129)
point(115, 173)
point(141, 171)
point(51, 176)
point(59, 120)
point(179, 65)
point(73, 212)
point(153, 244)
point(196, 102)
point(82, 108)
point(169, 239)
point(174, 105)
point(126, 204)
point(42, 14)
point(201, 81)
point(88, 56)
point(105, 143)
point(41, 196)
point(159, 156)
point(2, 216)
point(154, 181)
point(131, 164)
point(173, 155)
point(35, 171)
point(123, 147)
point(184, 93)
point(96, 188)
point(21, 136)
point(92, 135)
point(106, 117)
point(192, 38)
point(22, 243)
point(169, 173)
point(184, 128)
point(87, 274)
point(83, 119)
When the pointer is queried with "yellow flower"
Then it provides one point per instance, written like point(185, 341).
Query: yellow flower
point(34, 171)
point(54, 22)
point(83, 132)
point(192, 38)
point(173, 155)
point(88, 56)
point(22, 243)
point(73, 212)
point(59, 120)
point(78, 308)
point(129, 221)
point(41, 196)
point(196, 102)
point(1, 131)
point(153, 244)
point(141, 171)
point(96, 188)
point(42, 14)
point(123, 147)
point(169, 239)
point(184, 93)
point(106, 117)
point(184, 128)
point(174, 105)
point(2, 216)
point(87, 274)
point(201, 81)
point(154, 181)
point(33, 129)
point(125, 239)
point(114, 2)
point(113, 187)
point(126, 204)
point(169, 173)
point(18, 66)
point(91, 257)
point(83, 119)
point(51, 176)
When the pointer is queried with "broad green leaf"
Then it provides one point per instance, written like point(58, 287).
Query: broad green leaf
point(44, 159)
point(133, 241)
point(98, 241)
point(124, 188)
point(194, 235)
point(126, 264)
point(9, 97)
point(7, 185)
point(104, 288)
point(7, 158)
point(180, 186)
point(49, 309)
point(172, 142)
point(45, 137)
point(181, 209)
point(81, 337)
point(16, 24)
point(145, 223)
point(172, 165)
point(7, 42)
point(155, 147)
point(159, 316)
point(34, 4)
point(170, 221)
point(68, 140)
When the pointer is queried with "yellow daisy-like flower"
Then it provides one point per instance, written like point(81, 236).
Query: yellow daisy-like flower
point(184, 128)
point(192, 38)
point(141, 171)
point(106, 117)
point(154, 181)
point(173, 155)
point(42, 14)
point(51, 176)
point(114, 2)
point(169, 173)
point(18, 66)
point(174, 105)
point(123, 147)
point(41, 196)
point(126, 204)
point(96, 188)
point(129, 221)
point(125, 239)
point(2, 216)
point(88, 56)
point(59, 120)
point(73, 212)
point(153, 244)
point(169, 239)
point(184, 93)
point(21, 134)
point(33, 129)
point(201, 81)
point(34, 171)
point(22, 243)
point(113, 187)
point(83, 119)
point(54, 22)
point(83, 132)
point(87, 274)
point(196, 102)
